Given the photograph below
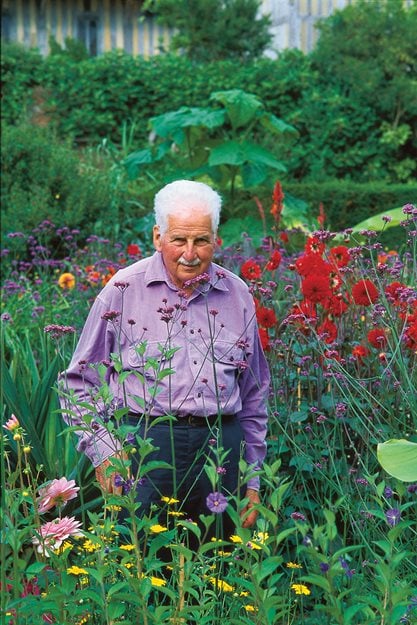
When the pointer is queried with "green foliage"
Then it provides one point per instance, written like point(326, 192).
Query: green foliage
point(21, 70)
point(216, 142)
point(43, 178)
point(399, 458)
point(214, 29)
point(73, 48)
point(343, 132)
point(367, 52)
point(347, 203)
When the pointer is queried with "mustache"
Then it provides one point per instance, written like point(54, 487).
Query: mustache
point(192, 263)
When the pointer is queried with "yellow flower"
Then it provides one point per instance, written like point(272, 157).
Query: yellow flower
point(176, 513)
point(250, 608)
point(157, 529)
point(236, 539)
point(169, 500)
point(66, 281)
point(300, 589)
point(76, 570)
point(293, 565)
point(253, 545)
point(88, 545)
point(157, 581)
point(261, 537)
point(113, 508)
point(65, 546)
point(127, 547)
point(26, 449)
point(221, 584)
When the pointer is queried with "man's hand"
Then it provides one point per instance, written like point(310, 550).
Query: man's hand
point(250, 519)
point(107, 481)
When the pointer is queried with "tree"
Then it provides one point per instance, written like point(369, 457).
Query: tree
point(368, 53)
point(214, 29)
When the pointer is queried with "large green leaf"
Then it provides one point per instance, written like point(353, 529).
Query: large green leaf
point(234, 153)
point(171, 124)
point(377, 223)
point(227, 153)
point(231, 231)
point(398, 457)
point(241, 107)
point(253, 174)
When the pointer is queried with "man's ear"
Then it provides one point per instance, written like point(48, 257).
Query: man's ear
point(157, 243)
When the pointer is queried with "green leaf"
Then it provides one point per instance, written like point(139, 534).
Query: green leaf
point(241, 107)
point(377, 223)
point(276, 125)
point(398, 457)
point(227, 153)
point(350, 611)
point(317, 580)
point(171, 124)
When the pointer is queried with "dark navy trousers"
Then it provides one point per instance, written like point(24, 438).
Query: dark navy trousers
point(186, 448)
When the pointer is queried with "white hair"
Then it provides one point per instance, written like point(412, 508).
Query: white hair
point(185, 197)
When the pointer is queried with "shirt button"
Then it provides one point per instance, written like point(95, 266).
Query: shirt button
point(194, 362)
point(198, 394)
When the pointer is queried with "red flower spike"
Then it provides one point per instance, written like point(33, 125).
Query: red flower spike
point(321, 216)
point(277, 202)
point(274, 261)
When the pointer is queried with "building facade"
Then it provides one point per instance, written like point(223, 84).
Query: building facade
point(104, 25)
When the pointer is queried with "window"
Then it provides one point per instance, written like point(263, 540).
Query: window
point(87, 29)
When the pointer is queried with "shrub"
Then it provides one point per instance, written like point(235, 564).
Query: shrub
point(43, 178)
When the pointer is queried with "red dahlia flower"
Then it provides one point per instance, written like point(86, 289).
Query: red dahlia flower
point(359, 352)
point(266, 317)
point(410, 336)
point(316, 288)
point(327, 331)
point(392, 291)
point(314, 246)
point(263, 335)
point(364, 293)
point(335, 305)
point(377, 337)
point(133, 250)
point(250, 270)
point(309, 264)
point(340, 255)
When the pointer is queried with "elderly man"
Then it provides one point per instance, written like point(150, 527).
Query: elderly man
point(179, 337)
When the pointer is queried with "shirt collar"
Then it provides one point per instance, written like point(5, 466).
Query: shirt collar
point(156, 272)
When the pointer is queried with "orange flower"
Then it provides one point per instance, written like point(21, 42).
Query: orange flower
point(108, 276)
point(66, 281)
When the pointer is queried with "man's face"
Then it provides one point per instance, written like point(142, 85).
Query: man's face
point(187, 246)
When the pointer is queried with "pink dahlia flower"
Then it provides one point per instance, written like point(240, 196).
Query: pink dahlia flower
point(56, 493)
point(51, 535)
point(12, 424)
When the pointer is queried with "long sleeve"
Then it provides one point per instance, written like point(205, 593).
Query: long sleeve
point(80, 387)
